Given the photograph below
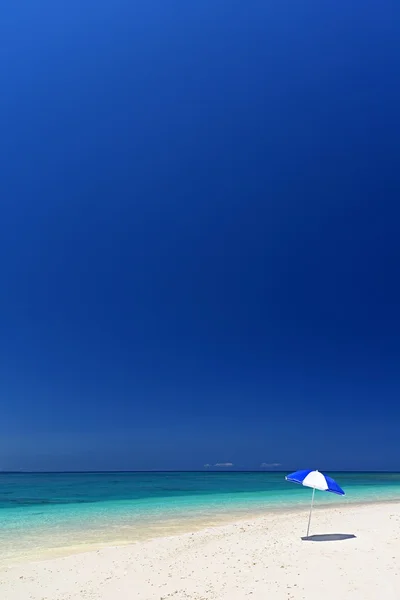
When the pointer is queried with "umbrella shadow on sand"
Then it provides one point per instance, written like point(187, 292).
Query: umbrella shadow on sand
point(329, 537)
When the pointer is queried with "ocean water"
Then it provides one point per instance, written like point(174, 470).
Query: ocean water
point(55, 513)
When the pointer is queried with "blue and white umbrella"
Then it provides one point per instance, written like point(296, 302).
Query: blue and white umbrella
point(316, 481)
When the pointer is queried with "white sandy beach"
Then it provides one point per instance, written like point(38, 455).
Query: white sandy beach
point(262, 558)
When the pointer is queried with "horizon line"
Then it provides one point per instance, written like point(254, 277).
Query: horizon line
point(205, 470)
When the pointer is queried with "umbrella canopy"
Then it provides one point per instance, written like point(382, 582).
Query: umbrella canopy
point(316, 481)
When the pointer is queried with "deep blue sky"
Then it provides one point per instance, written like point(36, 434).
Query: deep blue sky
point(199, 234)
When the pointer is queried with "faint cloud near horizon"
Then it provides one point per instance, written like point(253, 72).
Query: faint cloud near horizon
point(227, 464)
point(270, 465)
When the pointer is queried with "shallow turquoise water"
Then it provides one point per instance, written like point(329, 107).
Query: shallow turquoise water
point(53, 511)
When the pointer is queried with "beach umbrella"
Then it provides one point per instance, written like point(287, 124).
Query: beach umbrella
point(316, 481)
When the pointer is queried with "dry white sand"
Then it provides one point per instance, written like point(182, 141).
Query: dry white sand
point(262, 558)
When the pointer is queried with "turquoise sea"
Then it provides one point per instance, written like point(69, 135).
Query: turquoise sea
point(56, 513)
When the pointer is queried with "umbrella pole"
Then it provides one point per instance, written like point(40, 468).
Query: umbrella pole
point(311, 507)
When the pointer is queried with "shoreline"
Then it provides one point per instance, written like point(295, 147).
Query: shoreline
point(188, 527)
point(356, 558)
